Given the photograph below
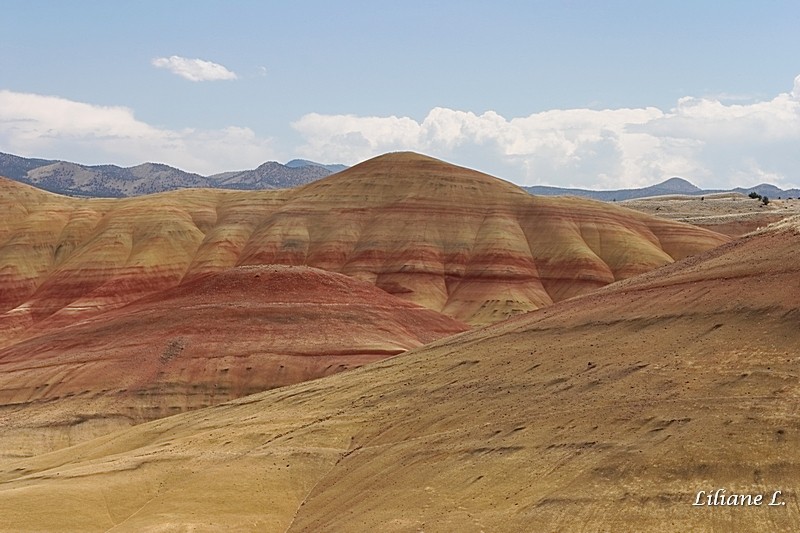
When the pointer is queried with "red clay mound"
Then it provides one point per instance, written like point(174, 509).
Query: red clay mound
point(218, 337)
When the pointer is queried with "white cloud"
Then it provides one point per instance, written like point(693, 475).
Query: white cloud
point(714, 143)
point(707, 140)
point(194, 69)
point(48, 126)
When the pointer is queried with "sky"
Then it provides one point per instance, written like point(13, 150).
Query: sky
point(609, 94)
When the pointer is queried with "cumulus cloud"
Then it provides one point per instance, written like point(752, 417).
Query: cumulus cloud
point(53, 127)
point(194, 69)
point(707, 140)
point(711, 141)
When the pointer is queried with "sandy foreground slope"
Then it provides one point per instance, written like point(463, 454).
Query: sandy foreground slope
point(607, 412)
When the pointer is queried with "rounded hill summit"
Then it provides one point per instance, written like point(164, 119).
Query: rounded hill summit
point(452, 239)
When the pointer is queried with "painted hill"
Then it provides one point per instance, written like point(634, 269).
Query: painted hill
point(218, 337)
point(111, 181)
point(611, 411)
point(76, 274)
point(451, 239)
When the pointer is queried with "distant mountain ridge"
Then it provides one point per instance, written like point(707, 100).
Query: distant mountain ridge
point(299, 163)
point(113, 181)
point(116, 182)
point(673, 185)
point(278, 176)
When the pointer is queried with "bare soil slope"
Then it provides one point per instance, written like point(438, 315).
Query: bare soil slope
point(607, 412)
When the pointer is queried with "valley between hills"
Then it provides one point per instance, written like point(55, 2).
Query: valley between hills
point(405, 345)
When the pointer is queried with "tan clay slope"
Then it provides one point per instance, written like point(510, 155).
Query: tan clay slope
point(604, 413)
point(733, 214)
point(452, 239)
point(219, 337)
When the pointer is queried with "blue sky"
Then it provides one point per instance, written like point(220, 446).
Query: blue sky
point(596, 94)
